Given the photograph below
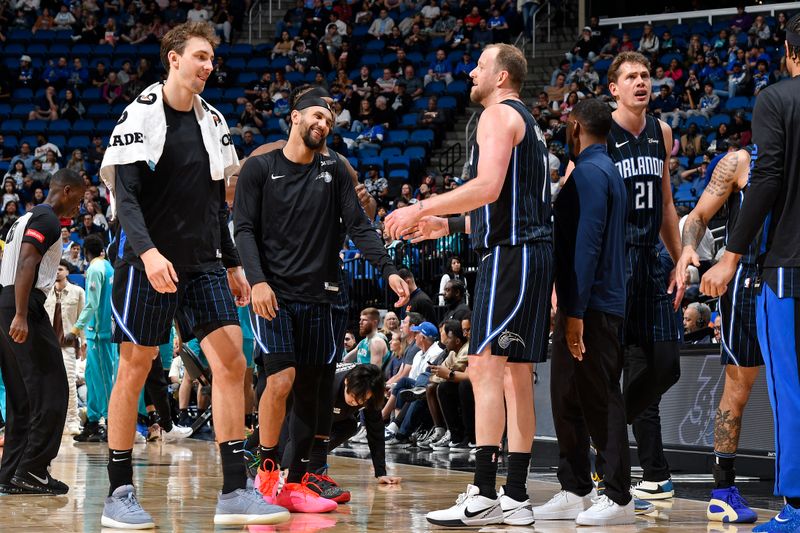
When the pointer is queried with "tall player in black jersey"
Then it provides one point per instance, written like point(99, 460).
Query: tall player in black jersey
point(30, 357)
point(508, 199)
point(287, 215)
point(640, 145)
point(741, 354)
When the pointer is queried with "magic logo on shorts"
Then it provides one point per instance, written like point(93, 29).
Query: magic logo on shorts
point(507, 337)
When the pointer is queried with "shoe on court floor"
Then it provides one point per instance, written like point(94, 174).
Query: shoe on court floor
point(604, 512)
point(461, 446)
point(642, 506)
point(653, 490)
point(175, 434)
point(430, 437)
point(564, 505)
point(515, 513)
point(728, 506)
point(328, 488)
point(396, 441)
point(787, 520)
point(89, 429)
point(360, 437)
point(443, 444)
point(471, 509)
point(300, 498)
point(246, 507)
point(123, 511)
point(268, 481)
point(35, 484)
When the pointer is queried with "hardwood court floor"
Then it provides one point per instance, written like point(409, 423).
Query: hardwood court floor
point(178, 485)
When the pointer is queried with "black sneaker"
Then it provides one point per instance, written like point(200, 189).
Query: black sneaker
point(99, 435)
point(89, 429)
point(35, 484)
point(410, 395)
point(327, 488)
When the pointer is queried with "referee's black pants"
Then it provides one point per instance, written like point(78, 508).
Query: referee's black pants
point(587, 402)
point(36, 390)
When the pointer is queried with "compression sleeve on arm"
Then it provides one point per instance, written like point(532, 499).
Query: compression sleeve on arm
point(230, 257)
point(247, 218)
point(129, 211)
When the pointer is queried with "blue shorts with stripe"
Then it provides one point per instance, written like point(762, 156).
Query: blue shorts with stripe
point(511, 312)
point(144, 316)
point(739, 330)
point(650, 316)
point(302, 330)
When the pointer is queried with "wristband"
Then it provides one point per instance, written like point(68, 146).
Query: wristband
point(456, 225)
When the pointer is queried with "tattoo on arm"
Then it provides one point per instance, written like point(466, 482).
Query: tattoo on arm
point(693, 231)
point(724, 176)
point(726, 431)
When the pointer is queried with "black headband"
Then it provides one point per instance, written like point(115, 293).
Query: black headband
point(318, 91)
point(792, 38)
point(307, 100)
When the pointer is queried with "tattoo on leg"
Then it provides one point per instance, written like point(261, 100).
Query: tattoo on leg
point(726, 431)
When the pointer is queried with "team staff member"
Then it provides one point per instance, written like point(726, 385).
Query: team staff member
point(509, 202)
point(773, 198)
point(589, 238)
point(30, 354)
point(287, 224)
point(740, 352)
point(176, 252)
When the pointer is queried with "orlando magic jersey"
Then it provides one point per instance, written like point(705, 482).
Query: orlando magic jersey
point(640, 161)
point(734, 205)
point(521, 213)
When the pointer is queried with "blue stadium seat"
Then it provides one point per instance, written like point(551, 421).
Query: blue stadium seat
point(90, 95)
point(399, 174)
point(701, 27)
point(375, 46)
point(684, 193)
point(409, 121)
point(422, 137)
point(376, 73)
point(13, 49)
point(448, 102)
point(601, 65)
point(295, 78)
point(371, 60)
point(81, 49)
point(416, 153)
point(420, 104)
point(242, 50)
point(83, 126)
point(274, 125)
point(149, 50)
point(280, 63)
point(700, 121)
point(106, 126)
point(415, 57)
point(398, 162)
point(37, 49)
point(246, 78)
point(97, 111)
point(737, 102)
point(12, 125)
point(396, 138)
point(435, 87)
point(43, 37)
point(21, 111)
point(275, 137)
point(58, 140)
point(10, 141)
point(77, 279)
point(367, 153)
point(225, 108)
point(76, 142)
point(679, 30)
point(20, 36)
point(457, 87)
point(127, 51)
point(22, 95)
point(258, 64)
point(683, 161)
point(35, 127)
point(233, 93)
point(4, 166)
point(5, 111)
point(212, 94)
point(263, 49)
point(236, 63)
point(391, 151)
point(368, 161)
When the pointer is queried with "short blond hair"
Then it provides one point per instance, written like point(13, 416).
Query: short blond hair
point(626, 57)
point(177, 37)
point(512, 60)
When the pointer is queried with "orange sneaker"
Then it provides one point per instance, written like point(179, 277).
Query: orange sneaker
point(268, 481)
point(300, 498)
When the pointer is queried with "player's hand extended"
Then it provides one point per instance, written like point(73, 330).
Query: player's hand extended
point(265, 303)
point(402, 220)
point(19, 329)
point(400, 288)
point(715, 280)
point(389, 480)
point(160, 272)
point(574, 337)
point(427, 228)
point(363, 195)
point(688, 257)
point(678, 287)
point(239, 286)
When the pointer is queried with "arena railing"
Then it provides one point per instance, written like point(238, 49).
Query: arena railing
point(708, 14)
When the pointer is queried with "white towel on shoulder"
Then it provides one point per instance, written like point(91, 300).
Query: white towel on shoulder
point(141, 131)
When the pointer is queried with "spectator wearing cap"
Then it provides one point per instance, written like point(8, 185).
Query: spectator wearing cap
point(401, 102)
point(26, 74)
point(464, 67)
point(585, 48)
point(431, 353)
point(738, 80)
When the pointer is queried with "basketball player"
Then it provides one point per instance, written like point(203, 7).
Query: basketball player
point(773, 199)
point(30, 356)
point(639, 145)
point(508, 199)
point(176, 252)
point(288, 207)
point(741, 355)
point(339, 308)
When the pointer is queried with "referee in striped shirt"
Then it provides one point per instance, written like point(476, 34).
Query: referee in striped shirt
point(773, 199)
